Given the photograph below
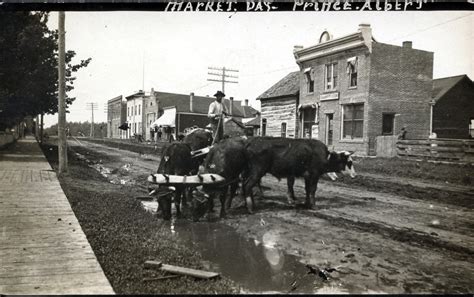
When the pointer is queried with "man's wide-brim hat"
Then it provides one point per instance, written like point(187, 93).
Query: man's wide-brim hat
point(219, 94)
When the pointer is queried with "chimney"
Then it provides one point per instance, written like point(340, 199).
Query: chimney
point(231, 105)
point(366, 31)
point(191, 98)
point(246, 102)
point(297, 48)
point(407, 44)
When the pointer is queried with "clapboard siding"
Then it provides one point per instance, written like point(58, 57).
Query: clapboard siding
point(278, 111)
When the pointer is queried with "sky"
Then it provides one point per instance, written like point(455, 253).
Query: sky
point(171, 51)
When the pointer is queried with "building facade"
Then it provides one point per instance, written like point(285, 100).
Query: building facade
point(191, 110)
point(135, 114)
point(151, 113)
point(353, 89)
point(116, 116)
point(453, 110)
point(279, 105)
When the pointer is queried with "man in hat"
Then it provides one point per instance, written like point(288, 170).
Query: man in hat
point(216, 112)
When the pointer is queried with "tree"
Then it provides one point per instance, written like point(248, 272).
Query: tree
point(28, 67)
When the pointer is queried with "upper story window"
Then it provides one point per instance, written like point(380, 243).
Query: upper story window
point(309, 80)
point(139, 109)
point(128, 111)
point(352, 71)
point(330, 77)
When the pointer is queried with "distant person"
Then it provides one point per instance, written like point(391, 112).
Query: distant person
point(152, 134)
point(159, 133)
point(403, 134)
point(217, 111)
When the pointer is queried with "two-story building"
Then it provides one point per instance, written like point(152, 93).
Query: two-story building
point(353, 89)
point(116, 116)
point(135, 114)
point(179, 111)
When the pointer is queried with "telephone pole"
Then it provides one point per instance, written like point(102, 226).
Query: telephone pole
point(222, 75)
point(92, 106)
point(62, 149)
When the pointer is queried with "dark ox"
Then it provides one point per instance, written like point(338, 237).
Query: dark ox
point(291, 158)
point(228, 159)
point(176, 159)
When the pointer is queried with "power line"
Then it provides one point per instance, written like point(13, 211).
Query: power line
point(222, 76)
point(436, 25)
point(271, 71)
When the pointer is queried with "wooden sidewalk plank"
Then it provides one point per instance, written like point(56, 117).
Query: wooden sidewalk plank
point(64, 279)
point(43, 249)
point(55, 290)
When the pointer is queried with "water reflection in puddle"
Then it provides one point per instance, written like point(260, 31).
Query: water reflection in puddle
point(258, 266)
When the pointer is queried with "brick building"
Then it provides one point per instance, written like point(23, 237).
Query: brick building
point(116, 116)
point(453, 109)
point(278, 108)
point(353, 89)
point(176, 111)
point(184, 111)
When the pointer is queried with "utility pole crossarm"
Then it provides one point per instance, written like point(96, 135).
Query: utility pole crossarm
point(222, 75)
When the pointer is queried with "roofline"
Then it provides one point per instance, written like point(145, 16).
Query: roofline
point(401, 46)
point(448, 89)
point(279, 96)
point(459, 75)
point(344, 43)
point(115, 98)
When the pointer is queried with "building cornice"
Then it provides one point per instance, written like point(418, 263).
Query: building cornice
point(334, 46)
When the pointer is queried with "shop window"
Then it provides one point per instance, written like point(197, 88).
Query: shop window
point(353, 121)
point(309, 119)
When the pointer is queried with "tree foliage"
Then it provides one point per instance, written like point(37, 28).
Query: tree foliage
point(80, 129)
point(28, 67)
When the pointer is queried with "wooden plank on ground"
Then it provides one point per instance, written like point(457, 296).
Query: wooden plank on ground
point(188, 271)
point(181, 270)
point(153, 264)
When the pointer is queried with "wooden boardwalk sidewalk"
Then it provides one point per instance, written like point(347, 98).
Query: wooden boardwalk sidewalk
point(42, 247)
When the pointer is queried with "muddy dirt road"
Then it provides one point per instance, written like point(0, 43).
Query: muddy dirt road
point(367, 235)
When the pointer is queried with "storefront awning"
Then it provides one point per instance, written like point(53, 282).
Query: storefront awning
point(167, 119)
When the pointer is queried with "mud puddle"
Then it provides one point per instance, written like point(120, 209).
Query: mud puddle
point(117, 176)
point(258, 266)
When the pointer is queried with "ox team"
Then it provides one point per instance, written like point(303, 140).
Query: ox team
point(245, 160)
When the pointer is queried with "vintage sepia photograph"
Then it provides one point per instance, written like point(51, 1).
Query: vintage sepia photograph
point(306, 147)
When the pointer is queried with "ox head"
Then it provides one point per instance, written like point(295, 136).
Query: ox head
point(341, 162)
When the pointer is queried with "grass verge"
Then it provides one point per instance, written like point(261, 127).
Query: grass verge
point(124, 236)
